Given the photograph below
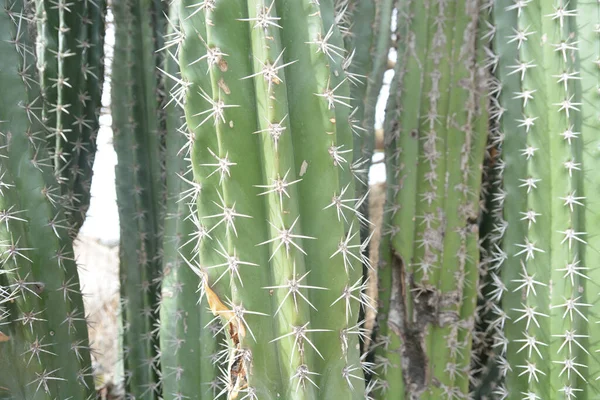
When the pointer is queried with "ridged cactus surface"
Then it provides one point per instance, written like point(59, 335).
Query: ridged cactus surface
point(70, 64)
point(190, 347)
point(267, 109)
point(436, 131)
point(44, 351)
point(140, 189)
point(546, 329)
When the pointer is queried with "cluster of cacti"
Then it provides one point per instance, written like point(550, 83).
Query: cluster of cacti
point(44, 350)
point(245, 131)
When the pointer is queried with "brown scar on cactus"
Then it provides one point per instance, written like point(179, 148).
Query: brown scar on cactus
point(4, 338)
point(426, 304)
point(238, 370)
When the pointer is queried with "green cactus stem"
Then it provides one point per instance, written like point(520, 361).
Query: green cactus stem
point(44, 351)
point(546, 53)
point(435, 138)
point(189, 349)
point(69, 49)
point(139, 190)
point(272, 152)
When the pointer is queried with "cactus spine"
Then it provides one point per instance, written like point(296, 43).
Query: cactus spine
point(44, 351)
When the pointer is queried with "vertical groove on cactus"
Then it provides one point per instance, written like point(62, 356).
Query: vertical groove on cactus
point(366, 28)
point(139, 185)
point(588, 149)
point(44, 351)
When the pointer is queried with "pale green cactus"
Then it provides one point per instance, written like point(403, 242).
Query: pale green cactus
point(272, 151)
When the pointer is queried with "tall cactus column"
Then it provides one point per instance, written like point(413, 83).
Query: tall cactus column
point(139, 189)
point(280, 253)
point(435, 138)
point(189, 345)
point(44, 352)
point(546, 53)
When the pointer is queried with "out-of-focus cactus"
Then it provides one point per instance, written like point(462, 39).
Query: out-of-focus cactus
point(44, 352)
point(267, 108)
point(547, 56)
point(140, 188)
point(436, 132)
point(70, 63)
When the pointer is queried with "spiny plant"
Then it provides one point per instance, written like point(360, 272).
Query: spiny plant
point(69, 48)
point(268, 115)
point(189, 340)
point(44, 350)
point(546, 294)
point(436, 130)
point(138, 127)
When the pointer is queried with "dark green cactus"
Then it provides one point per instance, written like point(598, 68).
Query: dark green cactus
point(140, 189)
point(69, 49)
point(435, 138)
point(44, 351)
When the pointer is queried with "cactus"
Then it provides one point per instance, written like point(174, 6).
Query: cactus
point(189, 349)
point(435, 137)
point(272, 151)
point(549, 129)
point(136, 126)
point(44, 352)
point(69, 49)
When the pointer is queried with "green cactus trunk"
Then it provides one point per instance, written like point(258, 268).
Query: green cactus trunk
point(268, 110)
point(140, 189)
point(69, 49)
point(189, 345)
point(44, 350)
point(436, 132)
point(546, 53)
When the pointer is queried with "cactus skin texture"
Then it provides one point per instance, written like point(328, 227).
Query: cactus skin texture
point(436, 133)
point(70, 63)
point(546, 331)
point(140, 189)
point(44, 352)
point(267, 107)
